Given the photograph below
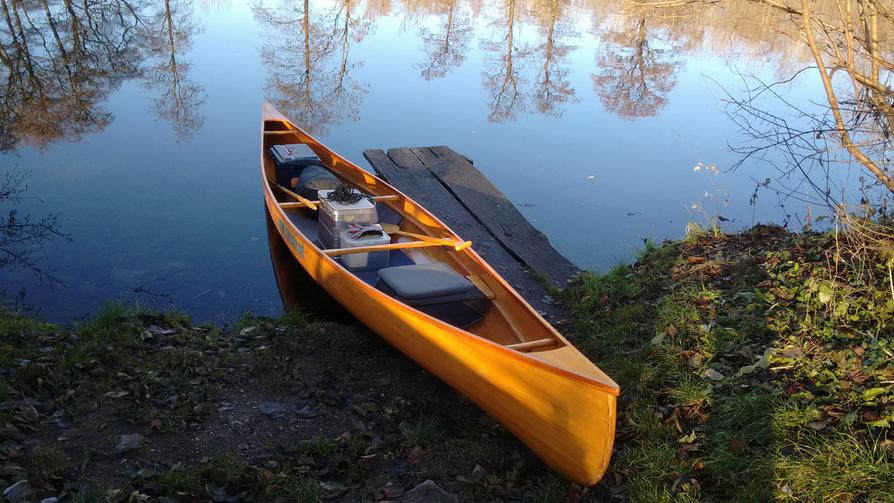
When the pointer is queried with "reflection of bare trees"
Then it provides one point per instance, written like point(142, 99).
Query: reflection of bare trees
point(635, 74)
point(445, 48)
point(168, 36)
point(553, 88)
point(22, 237)
point(59, 60)
point(59, 63)
point(504, 78)
point(509, 75)
point(848, 45)
point(308, 61)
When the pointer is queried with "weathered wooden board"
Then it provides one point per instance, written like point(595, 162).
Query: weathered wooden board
point(418, 182)
point(500, 216)
point(403, 169)
point(486, 204)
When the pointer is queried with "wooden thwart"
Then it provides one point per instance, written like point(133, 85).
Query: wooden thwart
point(336, 252)
point(286, 206)
point(529, 345)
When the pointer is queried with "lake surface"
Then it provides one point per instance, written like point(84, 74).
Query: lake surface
point(137, 125)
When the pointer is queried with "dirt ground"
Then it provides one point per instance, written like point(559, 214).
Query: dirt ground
point(150, 408)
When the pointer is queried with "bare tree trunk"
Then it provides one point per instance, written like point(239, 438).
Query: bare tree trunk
point(834, 106)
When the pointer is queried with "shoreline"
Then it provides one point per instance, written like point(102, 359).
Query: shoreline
point(740, 357)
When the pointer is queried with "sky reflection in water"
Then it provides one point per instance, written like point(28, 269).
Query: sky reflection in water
point(140, 127)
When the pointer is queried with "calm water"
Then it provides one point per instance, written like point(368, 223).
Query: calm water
point(139, 127)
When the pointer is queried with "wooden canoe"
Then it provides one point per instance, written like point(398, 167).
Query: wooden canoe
point(512, 363)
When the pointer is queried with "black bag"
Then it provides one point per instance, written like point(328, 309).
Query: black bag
point(314, 179)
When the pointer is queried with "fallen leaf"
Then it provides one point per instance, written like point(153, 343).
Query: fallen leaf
point(870, 394)
point(714, 375)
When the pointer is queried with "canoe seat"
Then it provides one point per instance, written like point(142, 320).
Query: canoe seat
point(435, 289)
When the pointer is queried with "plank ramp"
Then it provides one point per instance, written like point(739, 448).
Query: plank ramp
point(450, 186)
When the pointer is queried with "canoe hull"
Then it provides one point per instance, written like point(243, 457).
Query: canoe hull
point(563, 417)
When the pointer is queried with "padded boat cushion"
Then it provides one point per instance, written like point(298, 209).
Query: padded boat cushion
point(437, 290)
point(426, 281)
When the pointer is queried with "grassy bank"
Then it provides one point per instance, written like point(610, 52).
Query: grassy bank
point(754, 367)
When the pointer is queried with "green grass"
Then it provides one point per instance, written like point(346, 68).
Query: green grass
point(549, 489)
point(91, 495)
point(425, 433)
point(836, 468)
point(178, 480)
point(48, 462)
point(316, 447)
point(658, 325)
point(465, 453)
point(303, 490)
point(114, 342)
point(18, 335)
point(223, 469)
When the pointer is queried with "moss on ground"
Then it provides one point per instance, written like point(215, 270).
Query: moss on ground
point(753, 367)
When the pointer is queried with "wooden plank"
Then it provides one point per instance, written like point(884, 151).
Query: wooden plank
point(420, 184)
point(500, 217)
point(404, 158)
point(426, 155)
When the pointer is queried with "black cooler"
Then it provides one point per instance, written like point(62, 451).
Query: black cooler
point(291, 161)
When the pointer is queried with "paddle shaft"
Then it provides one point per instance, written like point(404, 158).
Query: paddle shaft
point(305, 201)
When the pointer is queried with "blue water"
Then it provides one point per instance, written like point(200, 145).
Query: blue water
point(166, 208)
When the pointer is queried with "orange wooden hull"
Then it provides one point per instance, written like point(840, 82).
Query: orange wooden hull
point(555, 401)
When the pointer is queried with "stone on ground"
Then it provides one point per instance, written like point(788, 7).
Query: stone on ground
point(429, 492)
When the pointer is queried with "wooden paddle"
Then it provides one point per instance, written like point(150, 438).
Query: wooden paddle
point(307, 202)
point(394, 230)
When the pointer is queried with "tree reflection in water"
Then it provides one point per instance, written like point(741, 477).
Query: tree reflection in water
point(308, 61)
point(635, 73)
point(61, 60)
point(446, 46)
point(523, 78)
point(553, 87)
point(22, 238)
point(503, 76)
point(168, 35)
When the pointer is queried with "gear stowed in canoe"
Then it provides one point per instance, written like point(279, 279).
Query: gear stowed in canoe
point(412, 280)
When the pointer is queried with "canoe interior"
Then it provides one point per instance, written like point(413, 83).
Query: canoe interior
point(506, 319)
